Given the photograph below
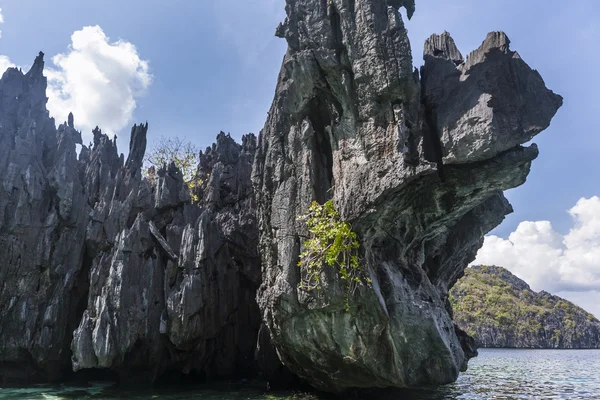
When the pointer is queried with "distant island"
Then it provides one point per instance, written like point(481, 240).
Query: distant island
point(500, 310)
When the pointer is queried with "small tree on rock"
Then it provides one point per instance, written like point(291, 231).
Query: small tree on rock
point(184, 154)
point(333, 244)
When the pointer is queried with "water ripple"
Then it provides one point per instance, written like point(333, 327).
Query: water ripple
point(495, 374)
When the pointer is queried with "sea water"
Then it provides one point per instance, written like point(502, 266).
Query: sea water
point(495, 374)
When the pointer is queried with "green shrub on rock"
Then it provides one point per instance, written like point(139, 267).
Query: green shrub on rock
point(331, 243)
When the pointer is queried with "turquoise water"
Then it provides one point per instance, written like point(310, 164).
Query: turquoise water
point(495, 374)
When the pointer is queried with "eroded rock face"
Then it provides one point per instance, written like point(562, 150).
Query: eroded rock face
point(485, 105)
point(417, 165)
point(102, 269)
point(172, 283)
point(42, 228)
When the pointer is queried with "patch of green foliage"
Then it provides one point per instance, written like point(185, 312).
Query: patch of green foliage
point(183, 154)
point(333, 244)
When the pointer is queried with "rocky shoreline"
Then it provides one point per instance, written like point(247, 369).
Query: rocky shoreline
point(104, 270)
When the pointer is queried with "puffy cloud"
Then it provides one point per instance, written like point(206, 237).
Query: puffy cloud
point(549, 261)
point(98, 80)
point(5, 64)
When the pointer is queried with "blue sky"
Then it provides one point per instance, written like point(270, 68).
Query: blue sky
point(210, 65)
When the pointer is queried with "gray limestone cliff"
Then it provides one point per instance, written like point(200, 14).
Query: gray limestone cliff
point(172, 284)
point(43, 213)
point(417, 163)
point(103, 269)
point(500, 310)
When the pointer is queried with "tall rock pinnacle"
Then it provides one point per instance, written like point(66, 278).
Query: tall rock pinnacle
point(38, 66)
point(417, 166)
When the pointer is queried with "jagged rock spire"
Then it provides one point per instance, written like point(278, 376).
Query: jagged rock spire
point(38, 66)
point(442, 46)
point(137, 148)
point(352, 122)
point(486, 105)
point(140, 278)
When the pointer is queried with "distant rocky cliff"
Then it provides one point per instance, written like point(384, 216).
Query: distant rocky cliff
point(500, 310)
point(102, 269)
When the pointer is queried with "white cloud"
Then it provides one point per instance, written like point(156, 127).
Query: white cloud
point(546, 260)
point(98, 81)
point(1, 21)
point(5, 64)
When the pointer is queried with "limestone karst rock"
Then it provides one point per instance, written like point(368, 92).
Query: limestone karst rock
point(485, 105)
point(43, 213)
point(172, 284)
point(417, 165)
point(102, 269)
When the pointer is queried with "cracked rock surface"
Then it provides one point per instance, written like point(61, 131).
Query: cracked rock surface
point(102, 269)
point(416, 162)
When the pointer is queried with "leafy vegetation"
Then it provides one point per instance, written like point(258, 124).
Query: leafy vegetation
point(331, 243)
point(183, 154)
point(492, 299)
